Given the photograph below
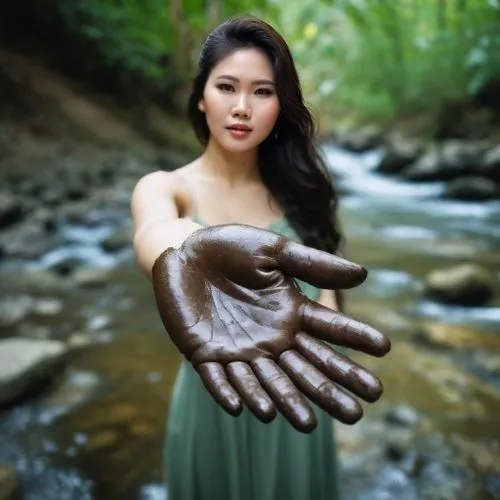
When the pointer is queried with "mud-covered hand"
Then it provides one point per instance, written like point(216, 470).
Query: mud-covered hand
point(229, 301)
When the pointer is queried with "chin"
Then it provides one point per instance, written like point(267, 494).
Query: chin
point(238, 147)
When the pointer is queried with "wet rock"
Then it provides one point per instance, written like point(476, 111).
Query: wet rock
point(30, 187)
point(24, 363)
point(34, 280)
point(484, 455)
point(11, 210)
point(449, 160)
point(51, 196)
point(490, 166)
point(15, 309)
point(79, 340)
point(90, 277)
point(466, 285)
point(456, 337)
point(472, 189)
point(46, 218)
point(105, 439)
point(398, 446)
point(27, 240)
point(401, 153)
point(402, 415)
point(391, 483)
point(75, 214)
point(48, 307)
point(121, 238)
point(439, 481)
point(31, 331)
point(361, 140)
point(426, 168)
point(99, 322)
point(75, 388)
point(66, 265)
point(9, 483)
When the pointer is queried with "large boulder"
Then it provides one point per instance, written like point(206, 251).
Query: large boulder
point(360, 140)
point(472, 188)
point(490, 165)
point(25, 363)
point(399, 154)
point(466, 285)
point(449, 160)
point(11, 209)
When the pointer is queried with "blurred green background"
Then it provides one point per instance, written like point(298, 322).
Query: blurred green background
point(359, 60)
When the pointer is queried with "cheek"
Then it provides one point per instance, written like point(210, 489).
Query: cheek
point(214, 103)
point(270, 113)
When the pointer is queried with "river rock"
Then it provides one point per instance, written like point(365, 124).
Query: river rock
point(402, 415)
point(466, 285)
point(399, 154)
point(449, 160)
point(15, 309)
point(490, 166)
point(34, 280)
point(90, 277)
point(26, 240)
point(11, 209)
point(426, 168)
point(24, 363)
point(457, 337)
point(121, 238)
point(472, 189)
point(9, 483)
point(48, 307)
point(361, 140)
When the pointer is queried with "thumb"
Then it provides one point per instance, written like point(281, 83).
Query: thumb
point(320, 269)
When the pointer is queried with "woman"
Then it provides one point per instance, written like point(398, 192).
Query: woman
point(260, 168)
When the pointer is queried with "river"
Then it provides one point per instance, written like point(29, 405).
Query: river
point(96, 432)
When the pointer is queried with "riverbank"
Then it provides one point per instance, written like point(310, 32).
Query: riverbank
point(92, 425)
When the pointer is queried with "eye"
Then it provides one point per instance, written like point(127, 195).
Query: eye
point(264, 92)
point(225, 87)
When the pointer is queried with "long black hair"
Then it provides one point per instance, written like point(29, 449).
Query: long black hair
point(290, 163)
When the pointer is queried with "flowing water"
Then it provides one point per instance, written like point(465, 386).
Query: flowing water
point(97, 431)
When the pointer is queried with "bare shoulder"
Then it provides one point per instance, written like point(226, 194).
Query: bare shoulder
point(161, 194)
point(156, 182)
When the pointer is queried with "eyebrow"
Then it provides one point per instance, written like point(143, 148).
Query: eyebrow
point(255, 82)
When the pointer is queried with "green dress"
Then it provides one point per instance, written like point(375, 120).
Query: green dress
point(210, 455)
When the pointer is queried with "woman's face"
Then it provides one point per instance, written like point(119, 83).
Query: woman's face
point(240, 101)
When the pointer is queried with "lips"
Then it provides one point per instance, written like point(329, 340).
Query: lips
point(237, 126)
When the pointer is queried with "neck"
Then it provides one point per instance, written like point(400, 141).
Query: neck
point(236, 168)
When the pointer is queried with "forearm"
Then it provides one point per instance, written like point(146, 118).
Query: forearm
point(150, 241)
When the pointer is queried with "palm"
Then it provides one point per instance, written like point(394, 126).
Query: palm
point(232, 307)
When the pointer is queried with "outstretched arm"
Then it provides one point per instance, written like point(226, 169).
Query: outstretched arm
point(156, 217)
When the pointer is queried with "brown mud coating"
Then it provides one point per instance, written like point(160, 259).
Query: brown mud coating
point(229, 301)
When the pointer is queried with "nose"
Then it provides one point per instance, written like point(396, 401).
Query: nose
point(241, 108)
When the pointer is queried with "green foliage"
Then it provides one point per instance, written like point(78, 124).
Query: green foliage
point(156, 39)
point(379, 58)
point(384, 58)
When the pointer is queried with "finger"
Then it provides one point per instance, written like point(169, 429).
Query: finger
point(332, 326)
point(320, 389)
point(242, 378)
point(291, 403)
point(320, 269)
point(339, 368)
point(215, 380)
